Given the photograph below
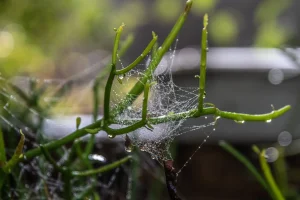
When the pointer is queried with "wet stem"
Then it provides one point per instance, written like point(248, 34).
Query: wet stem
point(142, 86)
point(138, 88)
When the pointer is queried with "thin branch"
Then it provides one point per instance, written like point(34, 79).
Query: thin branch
point(139, 86)
point(102, 169)
point(140, 58)
point(269, 177)
point(247, 163)
point(111, 77)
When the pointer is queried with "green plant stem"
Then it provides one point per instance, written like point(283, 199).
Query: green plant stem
point(124, 46)
point(269, 177)
point(139, 86)
point(60, 142)
point(102, 169)
point(203, 64)
point(247, 163)
point(66, 177)
point(140, 58)
point(111, 77)
point(103, 124)
point(281, 172)
point(50, 159)
point(145, 102)
point(16, 156)
point(213, 111)
point(81, 155)
point(2, 149)
point(156, 120)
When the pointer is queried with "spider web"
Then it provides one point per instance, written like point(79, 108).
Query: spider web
point(34, 178)
point(165, 98)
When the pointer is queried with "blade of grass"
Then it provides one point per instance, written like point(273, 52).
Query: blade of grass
point(269, 177)
point(229, 148)
point(281, 172)
point(2, 149)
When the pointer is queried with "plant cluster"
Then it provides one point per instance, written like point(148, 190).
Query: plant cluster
point(67, 171)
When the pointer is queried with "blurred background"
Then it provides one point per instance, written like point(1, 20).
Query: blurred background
point(253, 66)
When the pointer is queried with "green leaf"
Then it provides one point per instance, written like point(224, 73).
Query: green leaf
point(17, 155)
point(2, 149)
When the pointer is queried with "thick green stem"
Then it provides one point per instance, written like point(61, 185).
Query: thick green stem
point(139, 86)
point(156, 120)
point(60, 142)
point(216, 112)
point(111, 77)
point(203, 64)
point(145, 102)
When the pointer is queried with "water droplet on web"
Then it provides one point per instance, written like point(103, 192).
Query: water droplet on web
point(205, 117)
point(129, 108)
point(121, 77)
point(110, 136)
point(214, 129)
point(269, 121)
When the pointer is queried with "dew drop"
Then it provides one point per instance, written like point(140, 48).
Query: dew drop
point(128, 149)
point(129, 108)
point(205, 117)
point(204, 140)
point(121, 77)
point(214, 129)
point(110, 136)
point(207, 49)
point(269, 121)
point(239, 121)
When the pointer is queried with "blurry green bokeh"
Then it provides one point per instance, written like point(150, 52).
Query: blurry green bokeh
point(270, 33)
point(41, 31)
point(202, 6)
point(167, 10)
point(35, 36)
point(223, 28)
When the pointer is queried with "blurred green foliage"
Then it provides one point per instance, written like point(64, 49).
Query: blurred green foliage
point(224, 22)
point(36, 35)
point(41, 31)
